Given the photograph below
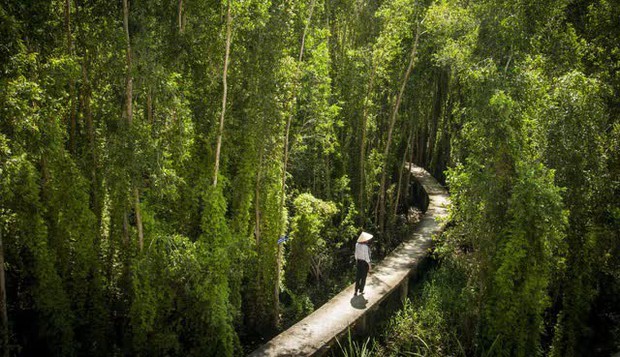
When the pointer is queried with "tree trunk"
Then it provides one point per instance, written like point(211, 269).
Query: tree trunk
point(436, 114)
point(136, 194)
point(381, 201)
point(257, 202)
point(412, 142)
point(86, 97)
point(400, 173)
point(3, 302)
point(129, 116)
point(440, 147)
point(224, 79)
point(362, 187)
point(303, 36)
point(285, 167)
point(129, 78)
point(72, 104)
point(180, 16)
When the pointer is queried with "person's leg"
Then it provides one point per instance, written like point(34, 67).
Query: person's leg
point(358, 274)
point(364, 273)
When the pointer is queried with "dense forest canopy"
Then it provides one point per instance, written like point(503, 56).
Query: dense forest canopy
point(153, 153)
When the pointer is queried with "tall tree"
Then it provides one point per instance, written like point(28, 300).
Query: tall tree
point(220, 131)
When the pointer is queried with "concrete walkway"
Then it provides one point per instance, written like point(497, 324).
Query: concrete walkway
point(314, 334)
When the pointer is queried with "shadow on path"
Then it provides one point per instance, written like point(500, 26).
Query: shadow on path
point(359, 302)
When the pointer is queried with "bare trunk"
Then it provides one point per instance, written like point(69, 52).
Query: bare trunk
point(129, 78)
point(257, 201)
point(381, 201)
point(408, 176)
point(436, 115)
point(400, 173)
point(3, 302)
point(136, 194)
point(224, 78)
point(303, 36)
point(180, 17)
point(440, 142)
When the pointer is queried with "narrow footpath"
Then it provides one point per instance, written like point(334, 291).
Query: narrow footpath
point(318, 331)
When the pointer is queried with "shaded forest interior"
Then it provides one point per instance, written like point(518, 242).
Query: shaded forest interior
point(189, 177)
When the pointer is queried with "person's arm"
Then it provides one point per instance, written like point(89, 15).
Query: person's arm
point(368, 250)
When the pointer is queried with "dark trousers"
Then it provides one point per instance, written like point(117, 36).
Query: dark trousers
point(360, 275)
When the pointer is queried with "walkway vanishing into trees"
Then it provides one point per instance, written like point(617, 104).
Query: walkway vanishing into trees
point(317, 332)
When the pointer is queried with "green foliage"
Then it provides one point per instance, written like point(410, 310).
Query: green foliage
point(517, 99)
point(356, 349)
point(176, 299)
point(308, 242)
point(438, 321)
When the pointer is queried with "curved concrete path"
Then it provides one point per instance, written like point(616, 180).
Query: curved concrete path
point(314, 334)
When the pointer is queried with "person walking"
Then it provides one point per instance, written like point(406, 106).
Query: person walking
point(362, 259)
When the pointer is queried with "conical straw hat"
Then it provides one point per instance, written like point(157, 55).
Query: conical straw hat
point(364, 237)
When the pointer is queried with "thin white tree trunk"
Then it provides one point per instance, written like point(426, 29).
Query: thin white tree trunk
point(224, 79)
point(180, 16)
point(381, 201)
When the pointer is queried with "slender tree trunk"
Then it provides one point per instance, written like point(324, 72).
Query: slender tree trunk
point(129, 116)
point(422, 144)
point(225, 84)
point(408, 176)
point(180, 16)
point(362, 187)
point(276, 291)
point(129, 78)
point(303, 35)
point(440, 142)
point(257, 200)
point(381, 201)
point(436, 115)
point(400, 173)
point(3, 302)
point(285, 167)
point(72, 103)
point(136, 194)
